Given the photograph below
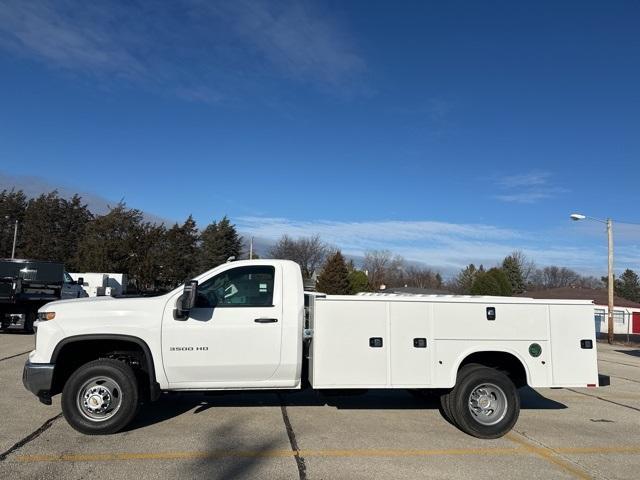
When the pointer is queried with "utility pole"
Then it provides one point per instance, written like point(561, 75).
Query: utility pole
point(610, 279)
point(610, 283)
point(15, 236)
point(251, 249)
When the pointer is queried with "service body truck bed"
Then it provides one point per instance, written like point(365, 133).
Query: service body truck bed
point(250, 325)
point(424, 339)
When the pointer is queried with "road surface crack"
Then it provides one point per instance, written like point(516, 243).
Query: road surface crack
point(32, 436)
point(605, 400)
point(302, 467)
point(548, 453)
point(14, 356)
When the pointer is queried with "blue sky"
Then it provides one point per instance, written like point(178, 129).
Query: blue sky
point(449, 132)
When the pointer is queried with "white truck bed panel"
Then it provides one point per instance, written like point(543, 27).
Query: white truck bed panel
point(341, 353)
point(573, 366)
point(469, 321)
point(410, 322)
point(452, 328)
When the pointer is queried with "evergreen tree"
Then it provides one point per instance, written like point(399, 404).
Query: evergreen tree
point(148, 265)
point(220, 240)
point(334, 278)
point(464, 281)
point(181, 253)
point(41, 227)
point(628, 285)
point(358, 282)
point(513, 271)
point(52, 228)
point(12, 207)
point(111, 241)
point(491, 282)
point(75, 216)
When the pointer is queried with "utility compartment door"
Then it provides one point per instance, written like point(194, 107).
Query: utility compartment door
point(573, 363)
point(346, 344)
point(411, 343)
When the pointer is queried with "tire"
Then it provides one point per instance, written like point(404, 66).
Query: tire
point(484, 403)
point(446, 399)
point(101, 397)
point(444, 408)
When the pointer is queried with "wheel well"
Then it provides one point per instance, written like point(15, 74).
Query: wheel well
point(507, 363)
point(71, 355)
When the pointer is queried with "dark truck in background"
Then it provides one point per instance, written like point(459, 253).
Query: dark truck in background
point(26, 285)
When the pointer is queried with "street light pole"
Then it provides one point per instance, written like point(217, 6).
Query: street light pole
point(610, 280)
point(610, 283)
point(15, 236)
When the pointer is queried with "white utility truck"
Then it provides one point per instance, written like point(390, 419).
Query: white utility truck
point(249, 325)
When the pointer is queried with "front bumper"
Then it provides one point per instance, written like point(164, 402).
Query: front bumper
point(38, 379)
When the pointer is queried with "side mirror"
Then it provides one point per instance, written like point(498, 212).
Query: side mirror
point(186, 301)
point(80, 281)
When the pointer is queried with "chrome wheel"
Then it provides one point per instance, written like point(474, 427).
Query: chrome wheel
point(99, 399)
point(488, 404)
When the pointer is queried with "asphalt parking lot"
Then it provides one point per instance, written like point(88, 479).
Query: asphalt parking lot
point(566, 433)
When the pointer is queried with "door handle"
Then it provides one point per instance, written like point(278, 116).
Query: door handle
point(266, 320)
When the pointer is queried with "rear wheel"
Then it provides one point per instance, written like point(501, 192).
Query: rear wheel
point(101, 397)
point(484, 403)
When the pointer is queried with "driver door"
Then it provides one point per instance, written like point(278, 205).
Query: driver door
point(232, 337)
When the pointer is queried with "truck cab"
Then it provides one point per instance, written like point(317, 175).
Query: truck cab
point(72, 288)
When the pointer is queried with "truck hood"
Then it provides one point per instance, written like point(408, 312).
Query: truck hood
point(86, 301)
point(101, 303)
point(106, 310)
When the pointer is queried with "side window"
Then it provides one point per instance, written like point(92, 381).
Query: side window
point(67, 278)
point(238, 287)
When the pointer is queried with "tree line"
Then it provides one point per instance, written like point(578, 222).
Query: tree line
point(337, 276)
point(158, 257)
point(381, 269)
point(517, 274)
point(155, 257)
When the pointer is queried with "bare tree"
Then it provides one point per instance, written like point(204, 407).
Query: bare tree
point(590, 282)
point(554, 277)
point(526, 265)
point(308, 252)
point(383, 268)
point(421, 277)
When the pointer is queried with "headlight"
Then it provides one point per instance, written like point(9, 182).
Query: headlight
point(43, 316)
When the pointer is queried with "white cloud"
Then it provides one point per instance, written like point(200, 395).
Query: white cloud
point(529, 187)
point(529, 179)
point(298, 40)
point(447, 246)
point(524, 197)
point(197, 50)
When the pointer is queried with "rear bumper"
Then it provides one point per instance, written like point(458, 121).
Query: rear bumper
point(38, 379)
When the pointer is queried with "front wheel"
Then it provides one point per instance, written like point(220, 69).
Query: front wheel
point(484, 403)
point(101, 397)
